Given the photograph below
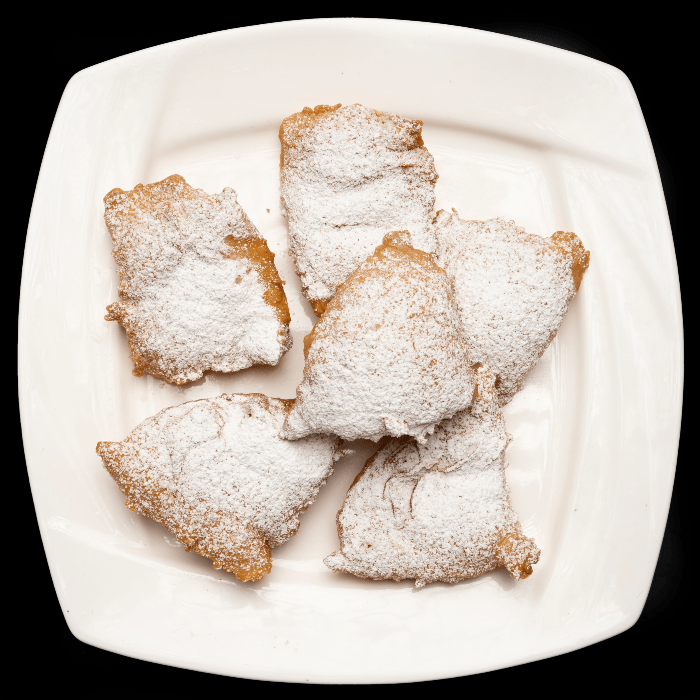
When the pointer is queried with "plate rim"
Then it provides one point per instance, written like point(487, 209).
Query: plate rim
point(23, 340)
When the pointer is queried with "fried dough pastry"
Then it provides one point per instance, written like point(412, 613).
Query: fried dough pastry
point(437, 511)
point(512, 289)
point(349, 175)
point(199, 289)
point(216, 474)
point(388, 356)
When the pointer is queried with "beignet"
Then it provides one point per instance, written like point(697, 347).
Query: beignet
point(199, 289)
point(348, 176)
point(512, 290)
point(437, 511)
point(217, 475)
point(388, 356)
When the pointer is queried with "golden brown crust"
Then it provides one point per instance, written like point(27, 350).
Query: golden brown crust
point(252, 558)
point(437, 511)
point(395, 242)
point(517, 555)
point(216, 474)
point(348, 175)
point(512, 288)
point(393, 322)
point(160, 232)
point(255, 251)
point(148, 196)
point(318, 306)
point(293, 127)
point(571, 245)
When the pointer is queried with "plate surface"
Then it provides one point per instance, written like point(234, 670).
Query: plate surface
point(551, 139)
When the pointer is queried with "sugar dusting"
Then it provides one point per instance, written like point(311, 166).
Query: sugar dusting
point(349, 175)
point(512, 290)
point(199, 290)
point(388, 356)
point(216, 473)
point(437, 511)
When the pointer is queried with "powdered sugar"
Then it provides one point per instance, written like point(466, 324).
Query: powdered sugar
point(512, 290)
point(199, 290)
point(388, 356)
point(216, 473)
point(437, 511)
point(349, 175)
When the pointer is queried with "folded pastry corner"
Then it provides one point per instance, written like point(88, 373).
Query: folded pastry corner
point(217, 475)
point(512, 290)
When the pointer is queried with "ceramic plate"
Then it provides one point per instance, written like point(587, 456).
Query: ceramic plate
point(551, 139)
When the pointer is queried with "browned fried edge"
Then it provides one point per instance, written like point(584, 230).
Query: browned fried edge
point(250, 564)
point(253, 248)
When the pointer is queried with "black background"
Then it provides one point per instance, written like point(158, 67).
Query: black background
point(649, 50)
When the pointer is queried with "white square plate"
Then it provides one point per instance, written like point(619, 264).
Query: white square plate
point(551, 139)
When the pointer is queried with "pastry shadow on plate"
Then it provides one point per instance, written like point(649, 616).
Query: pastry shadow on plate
point(346, 580)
